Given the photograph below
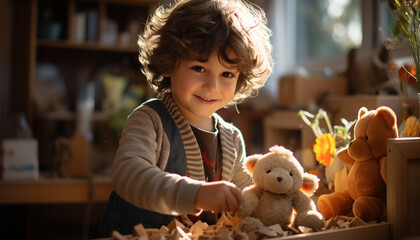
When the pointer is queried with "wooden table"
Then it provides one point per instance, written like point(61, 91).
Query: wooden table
point(55, 190)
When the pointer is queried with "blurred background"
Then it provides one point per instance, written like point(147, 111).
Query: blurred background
point(69, 76)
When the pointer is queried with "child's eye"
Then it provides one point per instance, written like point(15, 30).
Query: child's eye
point(227, 75)
point(197, 68)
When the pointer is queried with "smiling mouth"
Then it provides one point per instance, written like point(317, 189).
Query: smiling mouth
point(205, 99)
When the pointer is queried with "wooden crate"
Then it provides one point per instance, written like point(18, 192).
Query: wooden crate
point(380, 231)
point(403, 195)
point(403, 198)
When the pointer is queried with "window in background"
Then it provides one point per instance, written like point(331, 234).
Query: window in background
point(317, 34)
point(327, 28)
point(387, 21)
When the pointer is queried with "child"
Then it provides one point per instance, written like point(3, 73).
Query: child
point(176, 156)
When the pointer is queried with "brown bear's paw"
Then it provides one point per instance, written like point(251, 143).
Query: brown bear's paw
point(369, 208)
point(325, 208)
point(250, 223)
point(331, 205)
point(312, 220)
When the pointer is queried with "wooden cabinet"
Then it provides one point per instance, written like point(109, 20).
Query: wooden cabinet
point(60, 46)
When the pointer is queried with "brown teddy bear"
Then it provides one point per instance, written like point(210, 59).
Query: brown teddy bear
point(281, 192)
point(366, 181)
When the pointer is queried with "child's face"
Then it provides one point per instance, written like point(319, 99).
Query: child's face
point(201, 88)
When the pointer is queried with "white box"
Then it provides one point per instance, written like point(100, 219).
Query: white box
point(20, 159)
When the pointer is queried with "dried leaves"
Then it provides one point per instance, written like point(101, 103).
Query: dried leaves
point(228, 228)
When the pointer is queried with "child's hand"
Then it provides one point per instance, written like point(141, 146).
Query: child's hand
point(220, 196)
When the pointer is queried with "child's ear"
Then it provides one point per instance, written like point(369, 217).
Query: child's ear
point(310, 184)
point(250, 163)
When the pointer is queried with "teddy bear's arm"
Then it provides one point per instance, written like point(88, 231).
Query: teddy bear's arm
point(306, 212)
point(382, 163)
point(250, 199)
point(302, 203)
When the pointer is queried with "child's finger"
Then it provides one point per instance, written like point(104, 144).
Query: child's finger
point(237, 193)
point(233, 199)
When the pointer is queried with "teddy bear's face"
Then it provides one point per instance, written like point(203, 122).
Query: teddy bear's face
point(370, 134)
point(277, 174)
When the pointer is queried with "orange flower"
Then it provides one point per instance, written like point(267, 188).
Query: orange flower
point(324, 149)
point(314, 172)
point(407, 74)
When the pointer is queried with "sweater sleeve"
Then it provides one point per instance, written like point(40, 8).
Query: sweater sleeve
point(240, 177)
point(138, 169)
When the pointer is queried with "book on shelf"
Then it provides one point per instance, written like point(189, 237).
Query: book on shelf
point(92, 25)
point(79, 27)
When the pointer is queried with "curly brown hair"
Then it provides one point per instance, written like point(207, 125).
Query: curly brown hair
point(193, 29)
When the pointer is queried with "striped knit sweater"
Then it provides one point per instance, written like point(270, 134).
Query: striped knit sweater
point(138, 169)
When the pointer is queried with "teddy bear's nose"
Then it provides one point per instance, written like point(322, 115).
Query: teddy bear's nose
point(279, 179)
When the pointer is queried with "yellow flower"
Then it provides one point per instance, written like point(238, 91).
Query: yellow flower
point(324, 149)
point(412, 127)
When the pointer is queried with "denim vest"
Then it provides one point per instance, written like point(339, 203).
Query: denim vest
point(122, 216)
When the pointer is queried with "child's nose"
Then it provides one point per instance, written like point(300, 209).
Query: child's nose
point(212, 82)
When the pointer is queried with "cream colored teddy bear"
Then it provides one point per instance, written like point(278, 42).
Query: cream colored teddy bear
point(280, 194)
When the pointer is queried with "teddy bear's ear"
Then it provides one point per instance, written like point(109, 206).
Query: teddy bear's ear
point(310, 184)
point(362, 112)
point(388, 115)
point(250, 163)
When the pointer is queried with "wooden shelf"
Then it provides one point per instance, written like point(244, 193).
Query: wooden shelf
point(130, 2)
point(55, 190)
point(69, 116)
point(74, 42)
point(93, 46)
